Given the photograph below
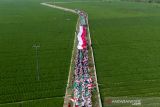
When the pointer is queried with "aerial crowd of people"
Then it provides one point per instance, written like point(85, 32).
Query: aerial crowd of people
point(82, 83)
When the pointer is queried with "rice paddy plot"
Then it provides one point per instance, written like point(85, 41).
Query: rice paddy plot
point(24, 23)
point(126, 45)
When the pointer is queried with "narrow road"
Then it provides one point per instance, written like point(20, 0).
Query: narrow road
point(82, 83)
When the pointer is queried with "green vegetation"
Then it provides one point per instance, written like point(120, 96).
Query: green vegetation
point(146, 1)
point(51, 102)
point(126, 44)
point(22, 24)
point(125, 38)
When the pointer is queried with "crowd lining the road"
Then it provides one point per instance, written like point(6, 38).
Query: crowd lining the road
point(82, 83)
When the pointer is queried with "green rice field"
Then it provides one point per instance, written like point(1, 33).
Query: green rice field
point(125, 39)
point(24, 23)
point(126, 43)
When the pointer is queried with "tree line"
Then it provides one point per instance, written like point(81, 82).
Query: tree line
point(147, 1)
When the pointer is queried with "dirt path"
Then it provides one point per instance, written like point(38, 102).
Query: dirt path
point(69, 92)
point(59, 7)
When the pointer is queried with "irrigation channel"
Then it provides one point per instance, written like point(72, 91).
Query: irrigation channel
point(82, 87)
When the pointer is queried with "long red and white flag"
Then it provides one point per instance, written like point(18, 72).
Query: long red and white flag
point(82, 42)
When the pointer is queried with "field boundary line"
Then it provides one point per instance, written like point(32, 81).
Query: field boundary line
point(73, 11)
point(25, 101)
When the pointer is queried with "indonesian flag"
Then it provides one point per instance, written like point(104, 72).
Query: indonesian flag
point(82, 42)
point(90, 80)
point(90, 86)
point(74, 99)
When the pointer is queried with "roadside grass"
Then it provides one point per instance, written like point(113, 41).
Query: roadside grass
point(22, 24)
